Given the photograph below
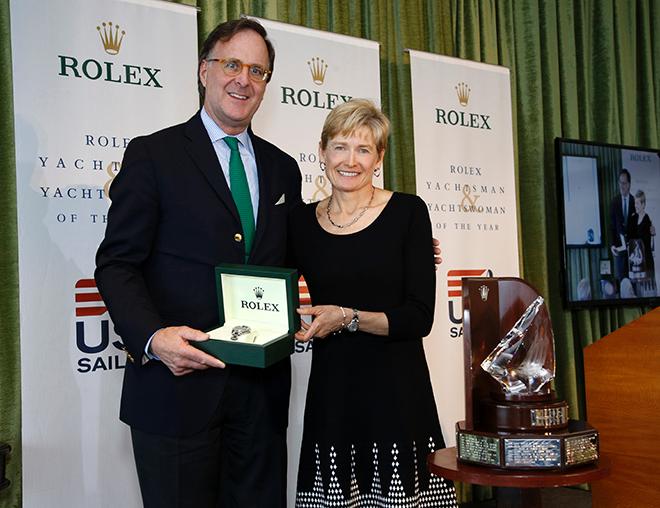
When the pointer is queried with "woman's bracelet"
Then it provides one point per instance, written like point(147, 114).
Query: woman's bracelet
point(343, 321)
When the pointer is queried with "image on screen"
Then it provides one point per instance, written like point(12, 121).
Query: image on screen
point(581, 201)
point(610, 218)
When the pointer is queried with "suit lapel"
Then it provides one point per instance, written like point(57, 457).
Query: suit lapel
point(265, 184)
point(201, 151)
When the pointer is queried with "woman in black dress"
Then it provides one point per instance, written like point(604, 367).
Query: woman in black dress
point(641, 228)
point(370, 417)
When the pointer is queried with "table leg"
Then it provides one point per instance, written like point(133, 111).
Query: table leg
point(518, 498)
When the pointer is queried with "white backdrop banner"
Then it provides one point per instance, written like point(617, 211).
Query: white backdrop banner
point(88, 76)
point(314, 72)
point(465, 173)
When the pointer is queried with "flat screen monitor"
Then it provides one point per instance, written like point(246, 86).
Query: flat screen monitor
point(609, 197)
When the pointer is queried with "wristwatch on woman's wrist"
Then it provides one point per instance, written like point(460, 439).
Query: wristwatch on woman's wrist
point(354, 324)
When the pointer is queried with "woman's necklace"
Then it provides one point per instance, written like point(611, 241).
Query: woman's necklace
point(357, 217)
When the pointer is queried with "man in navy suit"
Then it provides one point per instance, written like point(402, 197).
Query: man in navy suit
point(621, 210)
point(204, 434)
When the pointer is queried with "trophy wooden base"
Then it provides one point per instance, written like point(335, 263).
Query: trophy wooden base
point(573, 446)
point(524, 414)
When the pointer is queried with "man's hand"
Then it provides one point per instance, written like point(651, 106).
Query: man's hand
point(436, 252)
point(325, 320)
point(172, 346)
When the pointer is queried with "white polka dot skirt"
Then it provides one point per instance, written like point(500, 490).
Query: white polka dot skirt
point(355, 477)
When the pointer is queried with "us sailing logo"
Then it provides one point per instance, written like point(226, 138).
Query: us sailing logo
point(305, 301)
point(303, 291)
point(93, 331)
point(88, 299)
point(455, 296)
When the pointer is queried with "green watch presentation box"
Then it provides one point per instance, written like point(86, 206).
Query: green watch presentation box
point(257, 306)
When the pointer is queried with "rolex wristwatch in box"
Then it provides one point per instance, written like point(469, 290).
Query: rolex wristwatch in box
point(257, 307)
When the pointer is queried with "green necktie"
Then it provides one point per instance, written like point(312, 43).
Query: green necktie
point(240, 191)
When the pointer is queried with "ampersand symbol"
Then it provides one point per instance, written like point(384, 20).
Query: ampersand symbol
point(472, 201)
point(320, 189)
point(110, 169)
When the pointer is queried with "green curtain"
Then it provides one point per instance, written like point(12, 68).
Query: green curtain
point(583, 69)
point(579, 69)
point(10, 376)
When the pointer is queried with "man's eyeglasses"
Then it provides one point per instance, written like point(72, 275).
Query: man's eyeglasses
point(233, 67)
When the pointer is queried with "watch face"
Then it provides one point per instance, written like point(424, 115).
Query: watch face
point(352, 326)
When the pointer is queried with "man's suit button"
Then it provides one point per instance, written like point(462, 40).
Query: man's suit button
point(238, 237)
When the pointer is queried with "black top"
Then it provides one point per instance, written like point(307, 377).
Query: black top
point(387, 267)
point(642, 231)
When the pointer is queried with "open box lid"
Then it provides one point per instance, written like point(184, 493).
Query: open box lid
point(258, 294)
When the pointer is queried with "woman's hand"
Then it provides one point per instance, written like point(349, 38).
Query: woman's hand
point(436, 253)
point(325, 320)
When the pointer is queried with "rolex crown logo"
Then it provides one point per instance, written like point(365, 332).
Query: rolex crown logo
point(463, 92)
point(483, 292)
point(111, 37)
point(318, 68)
point(258, 292)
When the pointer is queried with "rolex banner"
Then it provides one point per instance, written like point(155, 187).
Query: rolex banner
point(88, 76)
point(465, 173)
point(314, 72)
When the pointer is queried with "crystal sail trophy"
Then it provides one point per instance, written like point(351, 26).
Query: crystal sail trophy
point(514, 420)
point(524, 360)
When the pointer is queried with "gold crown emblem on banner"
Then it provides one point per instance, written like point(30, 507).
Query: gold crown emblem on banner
point(318, 68)
point(111, 39)
point(463, 92)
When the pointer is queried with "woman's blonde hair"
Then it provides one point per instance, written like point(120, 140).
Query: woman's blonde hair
point(641, 196)
point(350, 116)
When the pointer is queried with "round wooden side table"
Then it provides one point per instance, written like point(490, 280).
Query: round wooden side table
point(516, 488)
